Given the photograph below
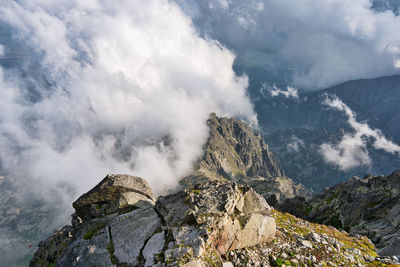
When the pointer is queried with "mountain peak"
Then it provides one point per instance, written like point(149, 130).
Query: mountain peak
point(234, 152)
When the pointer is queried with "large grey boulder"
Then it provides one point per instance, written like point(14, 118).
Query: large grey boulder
point(116, 192)
point(130, 231)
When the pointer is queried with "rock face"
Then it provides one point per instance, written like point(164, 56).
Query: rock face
point(235, 153)
point(211, 218)
point(369, 206)
point(114, 193)
point(219, 215)
point(214, 223)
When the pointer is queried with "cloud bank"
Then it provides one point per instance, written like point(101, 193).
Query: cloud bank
point(352, 150)
point(314, 43)
point(110, 87)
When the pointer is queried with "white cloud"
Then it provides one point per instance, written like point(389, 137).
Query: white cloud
point(290, 92)
point(295, 144)
point(115, 88)
point(352, 150)
point(317, 43)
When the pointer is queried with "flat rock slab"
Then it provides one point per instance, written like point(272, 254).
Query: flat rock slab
point(86, 253)
point(153, 247)
point(130, 232)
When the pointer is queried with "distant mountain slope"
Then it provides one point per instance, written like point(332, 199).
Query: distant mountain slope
point(295, 128)
point(385, 5)
point(374, 100)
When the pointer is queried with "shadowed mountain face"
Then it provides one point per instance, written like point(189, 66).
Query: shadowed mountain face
point(295, 128)
point(373, 100)
point(234, 152)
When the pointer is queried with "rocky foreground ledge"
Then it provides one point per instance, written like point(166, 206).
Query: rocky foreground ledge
point(215, 223)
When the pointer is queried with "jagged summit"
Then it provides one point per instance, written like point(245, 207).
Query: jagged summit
point(233, 152)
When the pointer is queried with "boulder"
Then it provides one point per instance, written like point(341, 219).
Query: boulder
point(130, 232)
point(115, 193)
point(237, 215)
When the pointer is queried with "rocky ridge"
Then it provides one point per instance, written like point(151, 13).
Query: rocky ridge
point(234, 152)
point(214, 223)
point(367, 206)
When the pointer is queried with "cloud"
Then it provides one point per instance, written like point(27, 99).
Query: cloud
point(314, 44)
point(352, 150)
point(1, 50)
point(295, 144)
point(290, 92)
point(109, 87)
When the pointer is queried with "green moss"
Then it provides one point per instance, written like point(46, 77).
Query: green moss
point(278, 262)
point(211, 258)
point(110, 249)
point(331, 198)
point(94, 230)
point(196, 191)
point(296, 226)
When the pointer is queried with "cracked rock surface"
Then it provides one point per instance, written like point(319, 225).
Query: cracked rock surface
point(214, 223)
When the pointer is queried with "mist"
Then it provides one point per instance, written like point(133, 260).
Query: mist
point(107, 88)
